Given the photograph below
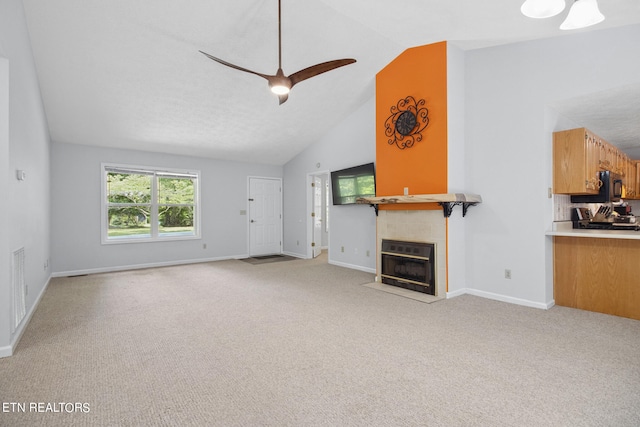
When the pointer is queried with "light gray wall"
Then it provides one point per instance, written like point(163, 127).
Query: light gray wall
point(26, 204)
point(508, 133)
point(352, 142)
point(5, 272)
point(456, 169)
point(76, 179)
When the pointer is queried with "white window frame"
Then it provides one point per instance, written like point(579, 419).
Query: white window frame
point(156, 172)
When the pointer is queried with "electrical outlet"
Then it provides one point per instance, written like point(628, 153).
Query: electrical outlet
point(342, 249)
point(368, 253)
point(204, 246)
point(297, 242)
point(507, 274)
point(355, 251)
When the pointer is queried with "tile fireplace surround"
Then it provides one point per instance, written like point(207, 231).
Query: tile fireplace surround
point(428, 226)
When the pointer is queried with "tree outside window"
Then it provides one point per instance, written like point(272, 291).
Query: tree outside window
point(149, 204)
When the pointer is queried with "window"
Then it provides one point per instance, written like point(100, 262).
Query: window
point(142, 204)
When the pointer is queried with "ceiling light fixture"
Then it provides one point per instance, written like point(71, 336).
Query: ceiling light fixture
point(542, 8)
point(280, 89)
point(583, 13)
point(278, 82)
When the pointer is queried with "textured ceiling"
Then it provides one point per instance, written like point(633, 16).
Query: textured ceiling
point(613, 115)
point(128, 74)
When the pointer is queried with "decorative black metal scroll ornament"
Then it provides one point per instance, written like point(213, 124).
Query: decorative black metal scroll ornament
point(407, 121)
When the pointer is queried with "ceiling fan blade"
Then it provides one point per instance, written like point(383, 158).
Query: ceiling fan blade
point(228, 64)
point(314, 70)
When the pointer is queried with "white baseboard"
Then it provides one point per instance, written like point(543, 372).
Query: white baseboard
point(353, 266)
point(8, 350)
point(142, 266)
point(456, 293)
point(503, 298)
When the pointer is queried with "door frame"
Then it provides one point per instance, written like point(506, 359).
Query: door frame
point(309, 226)
point(248, 210)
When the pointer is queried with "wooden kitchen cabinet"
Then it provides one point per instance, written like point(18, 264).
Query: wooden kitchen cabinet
point(603, 155)
point(597, 274)
point(630, 180)
point(576, 162)
point(636, 167)
point(621, 162)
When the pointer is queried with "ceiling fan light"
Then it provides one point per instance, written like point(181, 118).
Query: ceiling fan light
point(280, 89)
point(542, 8)
point(583, 13)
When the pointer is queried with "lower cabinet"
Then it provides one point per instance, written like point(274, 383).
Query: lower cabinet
point(597, 274)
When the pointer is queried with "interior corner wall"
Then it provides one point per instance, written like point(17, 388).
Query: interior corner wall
point(349, 143)
point(456, 171)
point(420, 72)
point(28, 212)
point(508, 146)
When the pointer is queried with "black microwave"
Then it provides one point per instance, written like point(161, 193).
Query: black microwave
point(610, 190)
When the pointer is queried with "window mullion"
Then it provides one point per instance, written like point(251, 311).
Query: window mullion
point(154, 206)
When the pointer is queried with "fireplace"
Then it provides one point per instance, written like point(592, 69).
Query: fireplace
point(409, 265)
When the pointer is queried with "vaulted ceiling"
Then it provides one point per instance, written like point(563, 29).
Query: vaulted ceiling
point(128, 74)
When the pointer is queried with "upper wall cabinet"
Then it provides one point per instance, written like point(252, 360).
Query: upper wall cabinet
point(631, 188)
point(576, 156)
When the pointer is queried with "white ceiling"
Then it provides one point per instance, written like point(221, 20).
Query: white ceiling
point(128, 74)
point(613, 115)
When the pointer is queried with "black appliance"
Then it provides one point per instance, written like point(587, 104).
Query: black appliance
point(610, 190)
point(583, 218)
point(623, 209)
point(347, 185)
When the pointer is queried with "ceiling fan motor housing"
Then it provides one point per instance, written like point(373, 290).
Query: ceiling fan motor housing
point(280, 84)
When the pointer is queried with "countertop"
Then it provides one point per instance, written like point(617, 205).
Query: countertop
point(565, 229)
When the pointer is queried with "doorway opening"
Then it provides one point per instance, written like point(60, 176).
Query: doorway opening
point(318, 218)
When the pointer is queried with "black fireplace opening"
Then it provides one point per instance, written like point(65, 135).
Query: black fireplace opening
point(409, 265)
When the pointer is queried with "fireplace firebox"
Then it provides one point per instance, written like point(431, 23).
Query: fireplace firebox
point(409, 265)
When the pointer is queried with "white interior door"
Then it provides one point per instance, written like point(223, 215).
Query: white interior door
point(317, 216)
point(265, 216)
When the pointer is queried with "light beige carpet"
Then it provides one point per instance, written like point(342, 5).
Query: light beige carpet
point(405, 293)
point(303, 343)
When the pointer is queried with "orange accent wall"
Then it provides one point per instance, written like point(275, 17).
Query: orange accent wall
point(420, 72)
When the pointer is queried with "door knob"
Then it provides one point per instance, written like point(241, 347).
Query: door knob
point(252, 221)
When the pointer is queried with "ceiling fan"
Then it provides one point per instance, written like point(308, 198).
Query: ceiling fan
point(279, 83)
